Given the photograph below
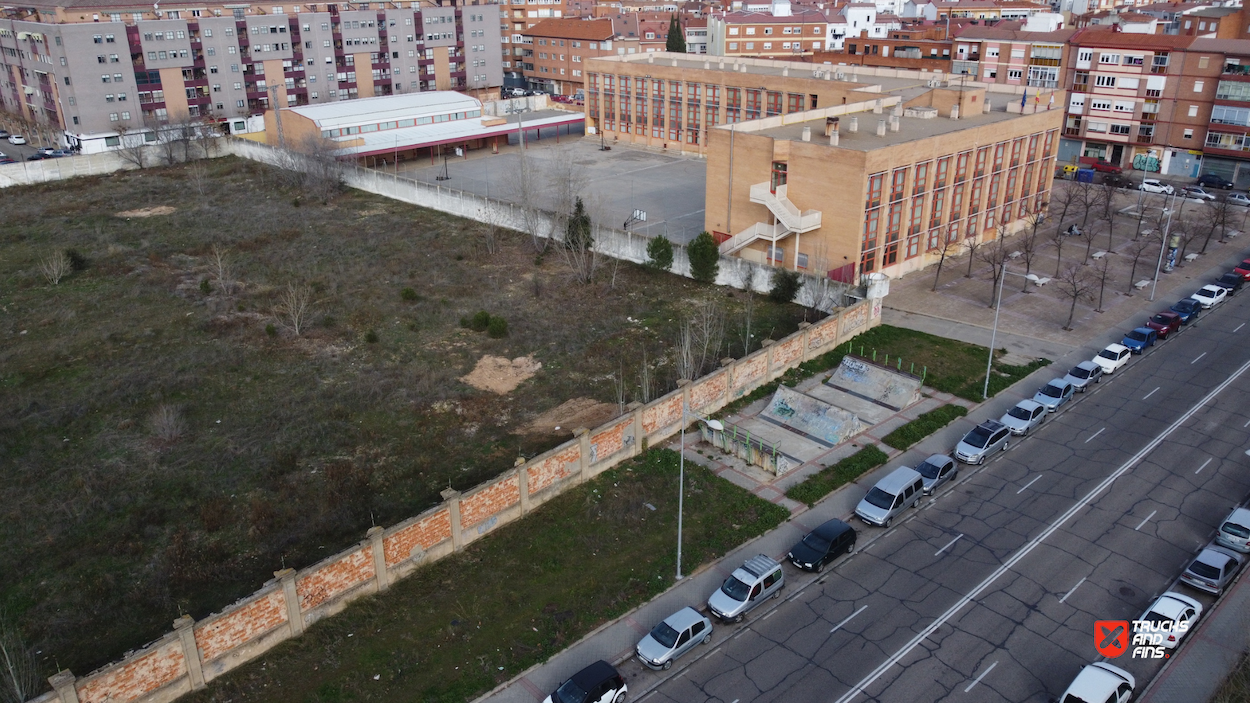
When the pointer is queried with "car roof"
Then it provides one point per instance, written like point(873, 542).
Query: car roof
point(1165, 313)
point(991, 425)
point(1115, 348)
point(1241, 516)
point(831, 529)
point(1095, 682)
point(1059, 382)
point(759, 565)
point(1210, 287)
point(1029, 405)
point(939, 459)
point(1088, 366)
point(1170, 605)
point(593, 675)
point(898, 479)
point(1143, 330)
point(1215, 557)
point(683, 618)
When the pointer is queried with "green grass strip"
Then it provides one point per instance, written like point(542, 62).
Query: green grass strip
point(923, 426)
point(833, 477)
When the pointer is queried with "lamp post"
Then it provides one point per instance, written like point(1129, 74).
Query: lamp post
point(1167, 229)
point(998, 304)
point(717, 426)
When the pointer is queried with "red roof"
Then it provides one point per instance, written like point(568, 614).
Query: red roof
point(593, 30)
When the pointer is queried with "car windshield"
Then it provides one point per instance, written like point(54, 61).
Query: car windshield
point(1204, 293)
point(1136, 336)
point(928, 470)
point(735, 589)
point(1206, 571)
point(1108, 354)
point(1072, 698)
point(1161, 320)
point(1052, 391)
point(1235, 530)
point(665, 635)
point(569, 692)
point(1078, 372)
point(1154, 617)
point(977, 438)
point(1019, 413)
point(1186, 305)
point(1230, 278)
point(879, 498)
point(816, 542)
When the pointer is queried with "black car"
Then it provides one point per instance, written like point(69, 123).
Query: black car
point(1211, 180)
point(597, 682)
point(1116, 180)
point(1231, 282)
point(822, 545)
point(36, 157)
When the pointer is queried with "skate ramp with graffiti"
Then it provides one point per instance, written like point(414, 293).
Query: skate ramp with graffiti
point(884, 386)
point(814, 419)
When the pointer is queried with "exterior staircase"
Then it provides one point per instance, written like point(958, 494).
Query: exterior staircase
point(790, 219)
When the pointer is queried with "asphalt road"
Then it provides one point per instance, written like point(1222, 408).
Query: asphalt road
point(989, 592)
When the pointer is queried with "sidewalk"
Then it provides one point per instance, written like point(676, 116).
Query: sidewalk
point(1209, 656)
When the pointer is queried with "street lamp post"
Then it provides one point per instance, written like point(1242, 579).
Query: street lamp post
point(1167, 229)
point(998, 304)
point(717, 426)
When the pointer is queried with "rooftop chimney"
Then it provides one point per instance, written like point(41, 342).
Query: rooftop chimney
point(854, 127)
point(880, 128)
point(833, 138)
point(894, 123)
point(985, 106)
point(877, 107)
point(807, 134)
point(954, 112)
point(831, 125)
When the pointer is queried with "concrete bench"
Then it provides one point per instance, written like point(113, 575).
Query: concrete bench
point(1141, 284)
point(1232, 233)
point(1041, 281)
point(1098, 254)
point(1191, 257)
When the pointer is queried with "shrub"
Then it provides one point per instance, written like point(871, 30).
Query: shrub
point(77, 261)
point(659, 254)
point(371, 337)
point(497, 327)
point(822, 484)
point(408, 295)
point(923, 426)
point(577, 233)
point(785, 286)
point(704, 258)
point(480, 321)
point(205, 286)
point(271, 330)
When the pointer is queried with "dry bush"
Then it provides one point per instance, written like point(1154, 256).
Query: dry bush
point(55, 267)
point(19, 670)
point(294, 308)
point(166, 424)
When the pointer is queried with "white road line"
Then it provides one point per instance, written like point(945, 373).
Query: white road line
point(1152, 392)
point(770, 614)
point(977, 680)
point(1246, 425)
point(1091, 437)
point(1030, 483)
point(1204, 465)
point(1196, 360)
point(714, 651)
point(1240, 326)
point(848, 619)
point(948, 545)
point(1078, 585)
point(1143, 522)
point(1032, 544)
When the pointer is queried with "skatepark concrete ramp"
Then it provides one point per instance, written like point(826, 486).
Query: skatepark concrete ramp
point(815, 419)
point(880, 384)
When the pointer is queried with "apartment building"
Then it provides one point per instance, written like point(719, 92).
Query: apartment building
point(857, 20)
point(94, 72)
point(921, 48)
point(514, 19)
point(696, 35)
point(1012, 55)
point(559, 49)
point(883, 182)
point(754, 34)
point(1226, 148)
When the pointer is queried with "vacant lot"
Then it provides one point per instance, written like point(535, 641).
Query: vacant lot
point(167, 440)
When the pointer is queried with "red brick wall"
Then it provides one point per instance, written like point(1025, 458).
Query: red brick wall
point(709, 390)
point(556, 467)
point(822, 333)
point(218, 636)
point(609, 441)
point(749, 371)
point(137, 678)
point(334, 578)
point(423, 533)
point(491, 500)
point(787, 352)
point(665, 412)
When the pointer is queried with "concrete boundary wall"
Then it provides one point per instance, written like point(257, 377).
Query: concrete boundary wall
point(197, 652)
point(31, 172)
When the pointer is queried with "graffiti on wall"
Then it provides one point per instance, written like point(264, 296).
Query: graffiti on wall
point(1146, 162)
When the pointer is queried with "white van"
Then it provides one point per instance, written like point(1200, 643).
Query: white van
point(891, 496)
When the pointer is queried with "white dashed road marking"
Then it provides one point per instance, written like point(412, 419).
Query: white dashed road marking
point(977, 680)
point(1030, 483)
point(1091, 437)
point(1143, 522)
point(1196, 360)
point(948, 545)
point(1078, 585)
point(1152, 392)
point(1204, 465)
point(848, 619)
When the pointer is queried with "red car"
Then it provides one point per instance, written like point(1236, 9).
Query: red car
point(1243, 269)
point(1164, 323)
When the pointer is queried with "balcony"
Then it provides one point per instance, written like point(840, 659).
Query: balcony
point(1232, 69)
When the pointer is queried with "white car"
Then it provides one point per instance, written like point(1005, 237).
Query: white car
point(1152, 185)
point(1210, 296)
point(1113, 357)
point(1238, 199)
point(1181, 614)
point(1196, 193)
point(17, 139)
point(1100, 683)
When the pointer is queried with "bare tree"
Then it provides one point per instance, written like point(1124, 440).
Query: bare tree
point(19, 670)
point(197, 175)
point(707, 336)
point(1215, 218)
point(1087, 235)
point(294, 307)
point(746, 275)
point(1057, 238)
point(995, 255)
point(971, 244)
point(1136, 250)
point(1085, 199)
point(646, 379)
point(1187, 230)
point(312, 166)
point(55, 266)
point(1074, 285)
point(947, 248)
point(1029, 242)
point(578, 250)
point(685, 350)
point(222, 269)
point(1063, 197)
point(133, 146)
point(1102, 274)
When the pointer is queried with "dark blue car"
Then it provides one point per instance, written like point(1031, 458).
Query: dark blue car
point(1140, 338)
point(1188, 309)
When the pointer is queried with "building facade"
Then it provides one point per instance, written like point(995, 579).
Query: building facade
point(558, 50)
point(514, 19)
point(753, 34)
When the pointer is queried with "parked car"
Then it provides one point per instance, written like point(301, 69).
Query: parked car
point(1054, 394)
point(822, 545)
point(1231, 282)
point(935, 471)
point(1084, 375)
point(898, 491)
point(1187, 309)
point(1137, 340)
point(1211, 180)
point(597, 683)
point(1238, 199)
point(1179, 612)
point(1243, 269)
point(1100, 165)
point(45, 150)
point(1026, 415)
point(1113, 357)
point(1210, 296)
point(1212, 569)
point(982, 441)
point(1235, 531)
point(1100, 682)
point(1116, 180)
point(1164, 323)
point(17, 139)
point(4, 133)
point(1152, 185)
point(749, 585)
point(7, 161)
point(1196, 193)
point(59, 153)
point(676, 635)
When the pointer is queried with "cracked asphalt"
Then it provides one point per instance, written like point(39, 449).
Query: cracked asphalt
point(990, 590)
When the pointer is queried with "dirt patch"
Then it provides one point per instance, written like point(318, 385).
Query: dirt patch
point(498, 375)
point(578, 412)
point(149, 211)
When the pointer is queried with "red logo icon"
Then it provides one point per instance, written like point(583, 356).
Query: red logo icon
point(1111, 637)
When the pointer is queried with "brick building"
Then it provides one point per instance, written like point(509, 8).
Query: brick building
point(514, 19)
point(1012, 56)
point(555, 61)
point(911, 48)
point(755, 34)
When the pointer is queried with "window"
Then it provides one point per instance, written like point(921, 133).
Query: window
point(1198, 85)
point(1109, 58)
point(1204, 61)
point(1106, 81)
point(1097, 104)
point(750, 30)
point(1015, 74)
point(1120, 129)
point(1188, 134)
point(1085, 55)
